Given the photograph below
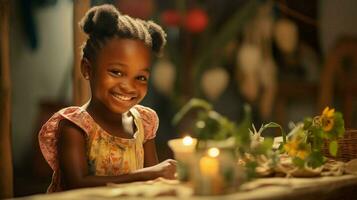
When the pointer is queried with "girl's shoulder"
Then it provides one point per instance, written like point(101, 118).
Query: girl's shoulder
point(149, 119)
point(74, 114)
point(79, 116)
point(48, 135)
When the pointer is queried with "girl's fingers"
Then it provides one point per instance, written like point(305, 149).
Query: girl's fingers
point(171, 161)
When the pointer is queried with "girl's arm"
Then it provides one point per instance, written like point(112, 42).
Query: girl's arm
point(150, 156)
point(73, 162)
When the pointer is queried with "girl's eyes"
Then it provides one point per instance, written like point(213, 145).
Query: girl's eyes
point(142, 78)
point(116, 73)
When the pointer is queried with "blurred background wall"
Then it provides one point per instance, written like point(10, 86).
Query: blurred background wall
point(41, 40)
point(337, 19)
point(40, 70)
point(212, 53)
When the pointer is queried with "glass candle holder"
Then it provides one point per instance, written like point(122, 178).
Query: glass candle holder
point(184, 151)
point(216, 171)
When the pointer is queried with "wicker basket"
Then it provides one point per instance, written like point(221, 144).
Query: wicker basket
point(347, 147)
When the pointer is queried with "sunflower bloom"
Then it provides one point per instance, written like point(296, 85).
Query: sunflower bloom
point(291, 147)
point(302, 154)
point(327, 124)
point(328, 112)
point(295, 149)
point(327, 119)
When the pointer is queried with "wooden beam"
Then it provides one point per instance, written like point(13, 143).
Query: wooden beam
point(6, 170)
point(81, 92)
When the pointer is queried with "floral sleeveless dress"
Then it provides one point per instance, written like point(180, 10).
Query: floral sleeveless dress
point(108, 155)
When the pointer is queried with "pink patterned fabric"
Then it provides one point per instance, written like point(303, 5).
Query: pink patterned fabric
point(48, 135)
point(150, 121)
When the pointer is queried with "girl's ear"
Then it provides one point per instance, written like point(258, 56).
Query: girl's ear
point(86, 68)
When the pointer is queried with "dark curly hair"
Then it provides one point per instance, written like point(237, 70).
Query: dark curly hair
point(105, 22)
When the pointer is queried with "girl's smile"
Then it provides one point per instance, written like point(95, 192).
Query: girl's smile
point(124, 99)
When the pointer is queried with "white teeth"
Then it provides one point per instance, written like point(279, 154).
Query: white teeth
point(123, 98)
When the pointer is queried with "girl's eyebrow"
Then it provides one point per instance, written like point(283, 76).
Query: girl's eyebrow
point(118, 63)
point(146, 69)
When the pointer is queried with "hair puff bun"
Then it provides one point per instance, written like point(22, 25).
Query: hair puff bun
point(158, 36)
point(101, 21)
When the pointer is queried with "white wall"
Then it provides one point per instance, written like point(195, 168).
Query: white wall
point(337, 18)
point(38, 74)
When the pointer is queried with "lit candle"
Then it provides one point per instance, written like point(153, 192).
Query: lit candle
point(183, 145)
point(209, 165)
point(209, 182)
point(184, 149)
point(187, 141)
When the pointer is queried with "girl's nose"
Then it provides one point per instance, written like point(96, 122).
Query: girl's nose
point(127, 86)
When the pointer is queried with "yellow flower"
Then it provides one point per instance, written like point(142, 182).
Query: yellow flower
point(327, 124)
point(291, 147)
point(302, 154)
point(327, 119)
point(295, 149)
point(328, 112)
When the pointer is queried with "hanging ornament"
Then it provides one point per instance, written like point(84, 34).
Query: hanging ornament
point(249, 57)
point(286, 35)
point(163, 76)
point(214, 81)
point(248, 60)
point(170, 18)
point(196, 20)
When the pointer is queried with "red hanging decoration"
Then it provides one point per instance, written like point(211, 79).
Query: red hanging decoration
point(171, 18)
point(196, 20)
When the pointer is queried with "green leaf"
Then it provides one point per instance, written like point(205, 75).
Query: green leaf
point(275, 125)
point(250, 169)
point(298, 162)
point(317, 139)
point(307, 122)
point(242, 130)
point(339, 124)
point(333, 148)
point(193, 103)
point(264, 147)
point(210, 128)
point(315, 159)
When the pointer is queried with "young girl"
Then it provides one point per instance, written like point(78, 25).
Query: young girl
point(111, 138)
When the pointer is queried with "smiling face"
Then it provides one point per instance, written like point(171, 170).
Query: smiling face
point(119, 76)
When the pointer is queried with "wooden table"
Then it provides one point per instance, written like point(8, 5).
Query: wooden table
point(340, 187)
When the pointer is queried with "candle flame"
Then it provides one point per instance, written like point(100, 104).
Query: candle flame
point(187, 141)
point(213, 152)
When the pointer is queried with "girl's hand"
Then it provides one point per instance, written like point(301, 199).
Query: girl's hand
point(165, 169)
